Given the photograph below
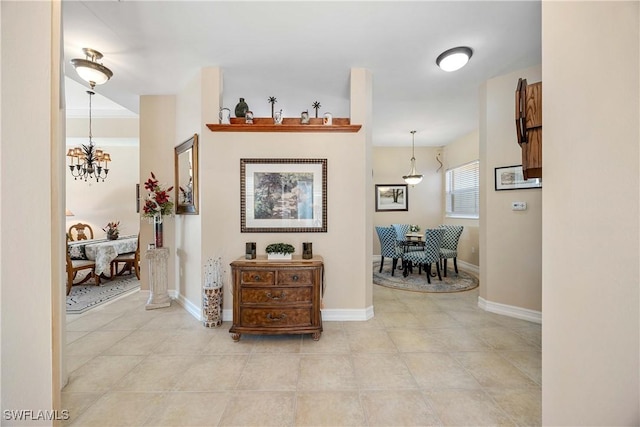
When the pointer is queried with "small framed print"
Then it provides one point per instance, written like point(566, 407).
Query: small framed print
point(512, 178)
point(392, 197)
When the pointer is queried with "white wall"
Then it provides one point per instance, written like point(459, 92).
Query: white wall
point(157, 139)
point(350, 199)
point(97, 203)
point(31, 274)
point(192, 103)
point(590, 334)
point(510, 242)
point(459, 152)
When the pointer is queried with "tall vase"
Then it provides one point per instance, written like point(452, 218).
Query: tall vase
point(157, 227)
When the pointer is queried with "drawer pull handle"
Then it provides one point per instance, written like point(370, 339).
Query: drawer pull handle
point(256, 277)
point(276, 297)
point(295, 277)
point(276, 318)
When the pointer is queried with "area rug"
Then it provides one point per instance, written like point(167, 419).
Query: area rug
point(463, 281)
point(84, 297)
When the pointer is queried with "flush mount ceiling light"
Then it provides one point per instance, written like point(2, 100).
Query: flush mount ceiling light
point(454, 59)
point(90, 70)
point(413, 178)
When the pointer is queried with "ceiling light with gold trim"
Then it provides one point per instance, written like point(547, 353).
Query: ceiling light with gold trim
point(90, 70)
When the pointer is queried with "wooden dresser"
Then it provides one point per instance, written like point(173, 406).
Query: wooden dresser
point(277, 296)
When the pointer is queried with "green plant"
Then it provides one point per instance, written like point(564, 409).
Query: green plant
point(280, 248)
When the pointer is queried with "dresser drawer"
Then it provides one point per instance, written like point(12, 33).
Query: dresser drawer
point(276, 317)
point(257, 277)
point(275, 295)
point(295, 277)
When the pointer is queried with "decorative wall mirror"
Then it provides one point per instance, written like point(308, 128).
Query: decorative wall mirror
point(187, 177)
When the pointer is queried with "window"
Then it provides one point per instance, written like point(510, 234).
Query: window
point(463, 190)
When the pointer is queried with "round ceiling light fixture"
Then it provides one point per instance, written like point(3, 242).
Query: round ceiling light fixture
point(455, 58)
point(90, 69)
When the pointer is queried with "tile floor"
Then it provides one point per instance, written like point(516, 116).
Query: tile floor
point(424, 359)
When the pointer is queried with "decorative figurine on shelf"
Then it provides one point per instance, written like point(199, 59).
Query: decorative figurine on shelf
point(272, 100)
point(328, 119)
point(225, 116)
point(248, 118)
point(241, 108)
point(277, 118)
point(316, 105)
point(304, 118)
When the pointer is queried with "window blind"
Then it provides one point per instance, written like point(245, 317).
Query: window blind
point(463, 190)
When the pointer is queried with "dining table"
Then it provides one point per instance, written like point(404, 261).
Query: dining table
point(103, 251)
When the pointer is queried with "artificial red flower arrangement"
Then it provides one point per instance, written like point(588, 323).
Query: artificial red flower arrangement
point(157, 202)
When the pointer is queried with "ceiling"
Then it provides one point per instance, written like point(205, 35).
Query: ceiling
point(302, 51)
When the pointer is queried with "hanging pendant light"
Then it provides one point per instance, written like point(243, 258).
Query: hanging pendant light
point(413, 178)
point(88, 161)
point(90, 70)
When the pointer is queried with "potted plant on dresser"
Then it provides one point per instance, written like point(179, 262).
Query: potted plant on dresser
point(279, 251)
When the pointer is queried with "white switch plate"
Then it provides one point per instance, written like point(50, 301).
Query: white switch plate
point(518, 206)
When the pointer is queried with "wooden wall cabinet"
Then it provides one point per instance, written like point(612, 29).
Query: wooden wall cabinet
point(277, 297)
point(529, 127)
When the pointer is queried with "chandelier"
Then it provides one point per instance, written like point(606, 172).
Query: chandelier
point(413, 178)
point(87, 161)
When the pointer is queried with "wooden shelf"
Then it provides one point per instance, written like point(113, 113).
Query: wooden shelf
point(289, 124)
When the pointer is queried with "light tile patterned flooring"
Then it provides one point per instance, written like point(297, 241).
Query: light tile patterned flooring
point(424, 359)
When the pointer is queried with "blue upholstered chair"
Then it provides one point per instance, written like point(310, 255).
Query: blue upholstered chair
point(401, 231)
point(388, 246)
point(449, 248)
point(430, 254)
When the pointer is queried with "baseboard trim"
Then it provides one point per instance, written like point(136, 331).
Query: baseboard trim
point(330, 315)
point(192, 309)
point(347, 315)
point(510, 310)
point(196, 310)
point(469, 267)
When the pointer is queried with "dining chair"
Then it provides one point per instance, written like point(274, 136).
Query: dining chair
point(401, 231)
point(430, 255)
point(388, 247)
point(79, 230)
point(130, 260)
point(401, 236)
point(449, 248)
point(75, 265)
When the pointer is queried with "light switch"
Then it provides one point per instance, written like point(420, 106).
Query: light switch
point(518, 206)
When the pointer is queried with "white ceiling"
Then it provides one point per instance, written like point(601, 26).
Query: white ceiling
point(302, 51)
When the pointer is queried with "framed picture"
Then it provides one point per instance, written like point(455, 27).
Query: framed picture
point(137, 198)
point(283, 195)
point(512, 178)
point(392, 197)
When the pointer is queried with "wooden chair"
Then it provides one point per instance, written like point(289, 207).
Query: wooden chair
point(130, 261)
point(75, 265)
point(80, 229)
